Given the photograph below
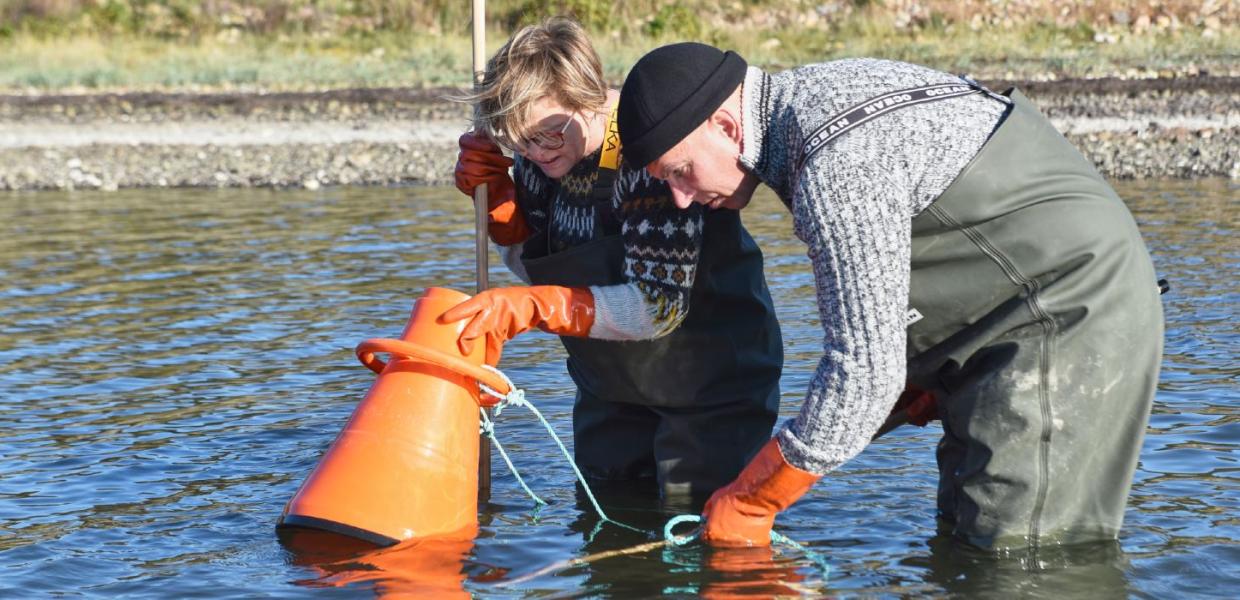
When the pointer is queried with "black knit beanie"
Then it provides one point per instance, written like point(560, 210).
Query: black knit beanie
point(669, 93)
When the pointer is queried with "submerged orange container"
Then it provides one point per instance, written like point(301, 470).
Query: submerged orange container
point(405, 465)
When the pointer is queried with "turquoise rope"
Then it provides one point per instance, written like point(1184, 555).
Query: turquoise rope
point(516, 397)
point(681, 540)
point(488, 429)
point(581, 478)
point(779, 538)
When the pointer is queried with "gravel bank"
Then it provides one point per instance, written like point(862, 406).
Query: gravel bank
point(1130, 129)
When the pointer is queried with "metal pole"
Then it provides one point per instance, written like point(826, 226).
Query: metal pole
point(480, 231)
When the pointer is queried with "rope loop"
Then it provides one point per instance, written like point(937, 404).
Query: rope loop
point(514, 397)
point(681, 540)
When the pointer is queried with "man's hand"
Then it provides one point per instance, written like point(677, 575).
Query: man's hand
point(743, 512)
point(915, 406)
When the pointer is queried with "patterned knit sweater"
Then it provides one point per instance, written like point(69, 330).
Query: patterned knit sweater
point(852, 204)
point(661, 243)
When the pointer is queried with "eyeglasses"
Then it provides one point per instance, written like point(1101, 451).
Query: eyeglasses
point(550, 140)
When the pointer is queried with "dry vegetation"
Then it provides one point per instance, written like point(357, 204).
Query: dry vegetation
point(64, 44)
point(185, 18)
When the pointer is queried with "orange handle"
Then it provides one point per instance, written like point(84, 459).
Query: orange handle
point(367, 351)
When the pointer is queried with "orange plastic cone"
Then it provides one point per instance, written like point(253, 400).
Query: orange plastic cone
point(406, 464)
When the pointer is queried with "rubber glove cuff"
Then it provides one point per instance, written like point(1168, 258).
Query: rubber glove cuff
point(506, 224)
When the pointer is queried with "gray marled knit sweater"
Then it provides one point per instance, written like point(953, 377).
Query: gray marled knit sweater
point(852, 204)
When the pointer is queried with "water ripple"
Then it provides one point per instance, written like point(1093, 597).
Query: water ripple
point(174, 362)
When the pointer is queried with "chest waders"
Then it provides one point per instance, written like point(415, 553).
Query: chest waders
point(1039, 327)
point(692, 407)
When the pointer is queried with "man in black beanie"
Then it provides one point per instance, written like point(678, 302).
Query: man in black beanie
point(961, 246)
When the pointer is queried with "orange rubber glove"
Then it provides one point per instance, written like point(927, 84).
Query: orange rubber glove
point(481, 161)
point(500, 314)
point(742, 512)
point(915, 405)
point(920, 406)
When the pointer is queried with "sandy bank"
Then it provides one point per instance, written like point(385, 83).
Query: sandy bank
point(1130, 129)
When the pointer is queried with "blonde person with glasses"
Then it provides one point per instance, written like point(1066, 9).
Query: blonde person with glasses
point(670, 333)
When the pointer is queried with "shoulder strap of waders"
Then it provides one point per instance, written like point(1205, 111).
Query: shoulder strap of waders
point(608, 160)
point(875, 107)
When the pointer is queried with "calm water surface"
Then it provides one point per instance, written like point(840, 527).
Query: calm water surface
point(173, 364)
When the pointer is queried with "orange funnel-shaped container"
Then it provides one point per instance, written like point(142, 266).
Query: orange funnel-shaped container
point(406, 464)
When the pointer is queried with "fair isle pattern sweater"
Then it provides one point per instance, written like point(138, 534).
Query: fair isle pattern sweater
point(852, 204)
point(661, 243)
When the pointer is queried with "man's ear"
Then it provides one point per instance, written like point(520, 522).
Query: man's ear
point(729, 123)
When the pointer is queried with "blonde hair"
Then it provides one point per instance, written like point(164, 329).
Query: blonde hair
point(554, 58)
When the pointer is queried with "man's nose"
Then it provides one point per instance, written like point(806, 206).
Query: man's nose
point(680, 197)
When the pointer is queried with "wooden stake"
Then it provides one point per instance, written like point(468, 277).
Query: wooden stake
point(480, 231)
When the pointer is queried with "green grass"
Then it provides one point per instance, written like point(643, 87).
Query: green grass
point(89, 62)
point(33, 59)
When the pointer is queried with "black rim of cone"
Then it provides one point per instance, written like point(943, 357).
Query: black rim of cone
point(334, 527)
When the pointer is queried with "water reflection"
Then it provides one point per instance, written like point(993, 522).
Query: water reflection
point(419, 568)
point(174, 362)
point(630, 559)
point(1096, 570)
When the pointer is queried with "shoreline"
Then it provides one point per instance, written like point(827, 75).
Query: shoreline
point(1130, 128)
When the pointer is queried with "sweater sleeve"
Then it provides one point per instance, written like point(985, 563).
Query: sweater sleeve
point(662, 245)
point(857, 230)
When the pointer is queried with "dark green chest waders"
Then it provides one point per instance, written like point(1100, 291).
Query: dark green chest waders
point(1036, 319)
point(690, 408)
